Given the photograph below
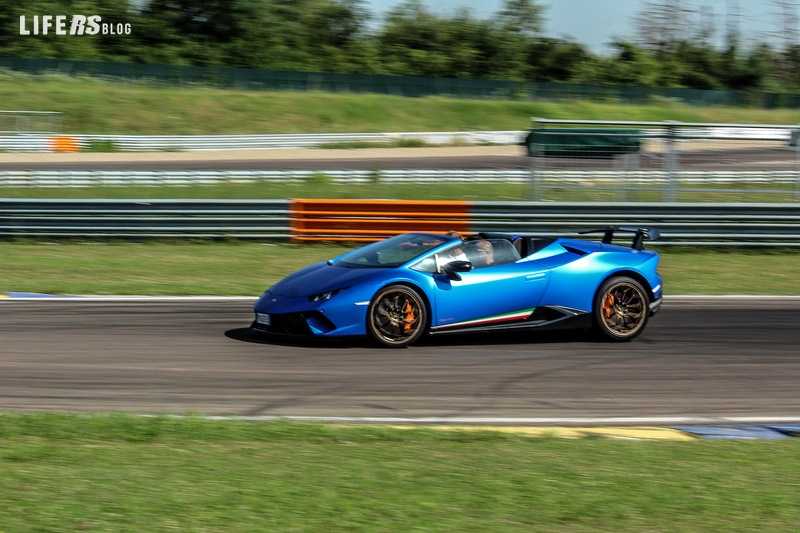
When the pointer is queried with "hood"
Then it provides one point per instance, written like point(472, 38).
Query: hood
point(322, 277)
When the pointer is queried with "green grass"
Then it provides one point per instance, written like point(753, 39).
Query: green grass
point(317, 185)
point(322, 185)
point(99, 107)
point(122, 473)
point(246, 269)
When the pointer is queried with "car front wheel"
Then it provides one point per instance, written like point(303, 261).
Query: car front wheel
point(397, 316)
point(621, 309)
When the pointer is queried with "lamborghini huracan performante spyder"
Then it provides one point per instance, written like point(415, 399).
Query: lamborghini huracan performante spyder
point(402, 288)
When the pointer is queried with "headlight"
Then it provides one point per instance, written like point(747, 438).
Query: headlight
point(324, 296)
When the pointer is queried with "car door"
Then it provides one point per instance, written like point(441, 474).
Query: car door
point(489, 295)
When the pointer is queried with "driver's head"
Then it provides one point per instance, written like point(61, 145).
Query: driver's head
point(486, 251)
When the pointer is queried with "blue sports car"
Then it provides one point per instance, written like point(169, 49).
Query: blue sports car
point(402, 288)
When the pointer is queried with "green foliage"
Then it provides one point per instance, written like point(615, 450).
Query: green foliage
point(98, 146)
point(342, 36)
point(410, 142)
point(319, 179)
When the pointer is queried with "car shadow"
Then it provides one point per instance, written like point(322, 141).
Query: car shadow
point(512, 337)
point(454, 339)
point(254, 337)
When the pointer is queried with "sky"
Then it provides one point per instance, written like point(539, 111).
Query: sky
point(595, 23)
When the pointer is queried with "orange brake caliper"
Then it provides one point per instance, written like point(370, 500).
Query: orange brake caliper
point(608, 306)
point(409, 317)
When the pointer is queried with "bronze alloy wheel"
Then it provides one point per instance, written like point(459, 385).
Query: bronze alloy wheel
point(397, 316)
point(621, 308)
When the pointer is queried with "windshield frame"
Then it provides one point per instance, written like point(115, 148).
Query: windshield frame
point(393, 252)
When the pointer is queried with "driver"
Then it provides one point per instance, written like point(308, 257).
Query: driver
point(455, 254)
point(485, 253)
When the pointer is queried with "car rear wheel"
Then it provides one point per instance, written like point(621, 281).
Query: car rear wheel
point(621, 309)
point(397, 316)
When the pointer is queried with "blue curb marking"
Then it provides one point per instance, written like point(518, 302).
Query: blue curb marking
point(31, 295)
point(793, 430)
point(743, 432)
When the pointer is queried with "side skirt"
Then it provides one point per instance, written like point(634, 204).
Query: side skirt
point(549, 317)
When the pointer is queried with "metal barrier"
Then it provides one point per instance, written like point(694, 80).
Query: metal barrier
point(680, 223)
point(554, 178)
point(194, 219)
point(139, 143)
point(302, 220)
point(370, 220)
point(759, 185)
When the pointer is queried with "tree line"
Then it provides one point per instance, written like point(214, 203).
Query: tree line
point(410, 40)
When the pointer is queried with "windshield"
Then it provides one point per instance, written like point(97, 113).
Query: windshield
point(392, 252)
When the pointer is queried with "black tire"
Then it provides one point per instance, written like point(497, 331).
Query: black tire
point(621, 309)
point(397, 316)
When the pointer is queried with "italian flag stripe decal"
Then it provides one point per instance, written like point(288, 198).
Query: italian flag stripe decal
point(506, 317)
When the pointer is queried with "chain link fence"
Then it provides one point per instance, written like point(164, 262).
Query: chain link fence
point(585, 160)
point(29, 122)
point(413, 86)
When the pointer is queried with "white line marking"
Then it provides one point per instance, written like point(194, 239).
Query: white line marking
point(77, 298)
point(615, 421)
point(133, 298)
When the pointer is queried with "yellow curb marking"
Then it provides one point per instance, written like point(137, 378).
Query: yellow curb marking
point(638, 433)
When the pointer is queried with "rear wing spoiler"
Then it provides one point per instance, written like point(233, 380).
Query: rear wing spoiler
point(638, 238)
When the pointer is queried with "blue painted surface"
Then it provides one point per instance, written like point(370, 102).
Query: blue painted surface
point(733, 431)
point(29, 295)
point(793, 430)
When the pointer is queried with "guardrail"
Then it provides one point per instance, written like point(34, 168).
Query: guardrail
point(344, 220)
point(370, 220)
point(588, 177)
point(139, 143)
point(768, 184)
point(193, 219)
point(722, 224)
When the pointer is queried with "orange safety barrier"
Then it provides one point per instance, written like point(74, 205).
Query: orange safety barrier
point(62, 143)
point(373, 220)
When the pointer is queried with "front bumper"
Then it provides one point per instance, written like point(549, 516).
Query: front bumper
point(303, 324)
point(655, 305)
point(342, 315)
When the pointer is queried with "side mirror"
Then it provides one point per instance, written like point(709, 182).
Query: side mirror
point(453, 268)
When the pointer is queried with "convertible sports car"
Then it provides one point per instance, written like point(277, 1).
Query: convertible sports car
point(404, 287)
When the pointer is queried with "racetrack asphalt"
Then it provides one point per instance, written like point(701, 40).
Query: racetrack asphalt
point(272, 158)
point(499, 157)
point(700, 361)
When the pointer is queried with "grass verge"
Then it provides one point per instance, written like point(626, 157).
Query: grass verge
point(322, 185)
point(91, 106)
point(242, 268)
point(122, 473)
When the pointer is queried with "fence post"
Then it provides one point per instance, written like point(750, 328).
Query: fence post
point(794, 144)
point(536, 153)
point(671, 161)
point(624, 166)
point(535, 177)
